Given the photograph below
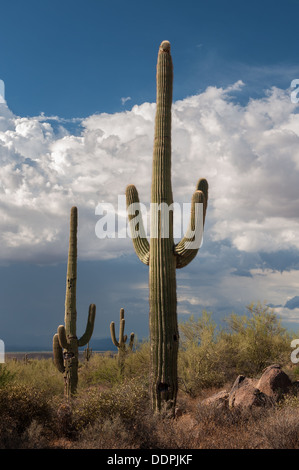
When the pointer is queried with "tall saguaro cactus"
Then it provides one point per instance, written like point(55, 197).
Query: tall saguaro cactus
point(161, 253)
point(121, 343)
point(65, 341)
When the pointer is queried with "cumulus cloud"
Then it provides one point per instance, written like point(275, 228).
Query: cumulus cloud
point(249, 154)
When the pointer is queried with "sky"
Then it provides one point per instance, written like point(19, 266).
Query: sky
point(77, 108)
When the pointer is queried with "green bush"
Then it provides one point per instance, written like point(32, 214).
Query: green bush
point(6, 376)
point(20, 407)
point(255, 340)
point(100, 369)
point(37, 373)
point(199, 355)
point(211, 356)
point(137, 363)
point(103, 369)
point(122, 400)
point(34, 413)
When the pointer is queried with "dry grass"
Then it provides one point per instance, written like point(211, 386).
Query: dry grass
point(112, 412)
point(120, 418)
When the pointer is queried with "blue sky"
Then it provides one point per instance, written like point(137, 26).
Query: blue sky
point(74, 58)
point(77, 127)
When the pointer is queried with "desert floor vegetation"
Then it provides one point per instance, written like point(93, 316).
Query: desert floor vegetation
point(112, 410)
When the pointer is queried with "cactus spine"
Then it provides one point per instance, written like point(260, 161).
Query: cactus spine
point(161, 254)
point(121, 343)
point(65, 341)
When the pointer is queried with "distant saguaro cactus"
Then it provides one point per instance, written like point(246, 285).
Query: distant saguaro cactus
point(87, 353)
point(121, 343)
point(65, 341)
point(161, 253)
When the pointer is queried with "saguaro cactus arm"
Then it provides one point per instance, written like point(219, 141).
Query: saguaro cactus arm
point(187, 248)
point(113, 337)
point(62, 337)
point(85, 338)
point(132, 336)
point(140, 242)
point(57, 352)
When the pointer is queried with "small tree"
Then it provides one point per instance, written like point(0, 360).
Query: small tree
point(256, 340)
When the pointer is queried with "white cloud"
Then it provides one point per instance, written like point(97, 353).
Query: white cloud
point(249, 154)
point(287, 315)
point(124, 100)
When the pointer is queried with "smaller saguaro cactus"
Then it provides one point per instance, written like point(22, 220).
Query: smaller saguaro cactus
point(87, 353)
point(65, 341)
point(121, 343)
point(25, 359)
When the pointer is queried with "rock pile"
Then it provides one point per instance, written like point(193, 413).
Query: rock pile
point(248, 393)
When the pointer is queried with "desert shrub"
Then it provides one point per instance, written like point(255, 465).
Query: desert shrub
point(198, 368)
point(6, 376)
point(122, 400)
point(205, 427)
point(225, 428)
point(199, 354)
point(280, 430)
point(211, 356)
point(100, 369)
point(37, 373)
point(255, 340)
point(103, 368)
point(111, 433)
point(144, 430)
point(20, 406)
point(35, 436)
point(137, 362)
point(293, 370)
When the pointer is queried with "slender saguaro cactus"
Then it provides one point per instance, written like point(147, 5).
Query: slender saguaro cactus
point(87, 353)
point(161, 253)
point(65, 341)
point(121, 343)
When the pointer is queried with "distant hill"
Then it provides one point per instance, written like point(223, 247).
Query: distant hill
point(100, 344)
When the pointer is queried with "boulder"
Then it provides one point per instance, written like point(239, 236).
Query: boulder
point(274, 382)
point(244, 394)
point(219, 400)
point(247, 393)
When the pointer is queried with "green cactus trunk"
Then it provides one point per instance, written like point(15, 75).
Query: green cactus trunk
point(65, 341)
point(70, 318)
point(162, 264)
point(161, 254)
